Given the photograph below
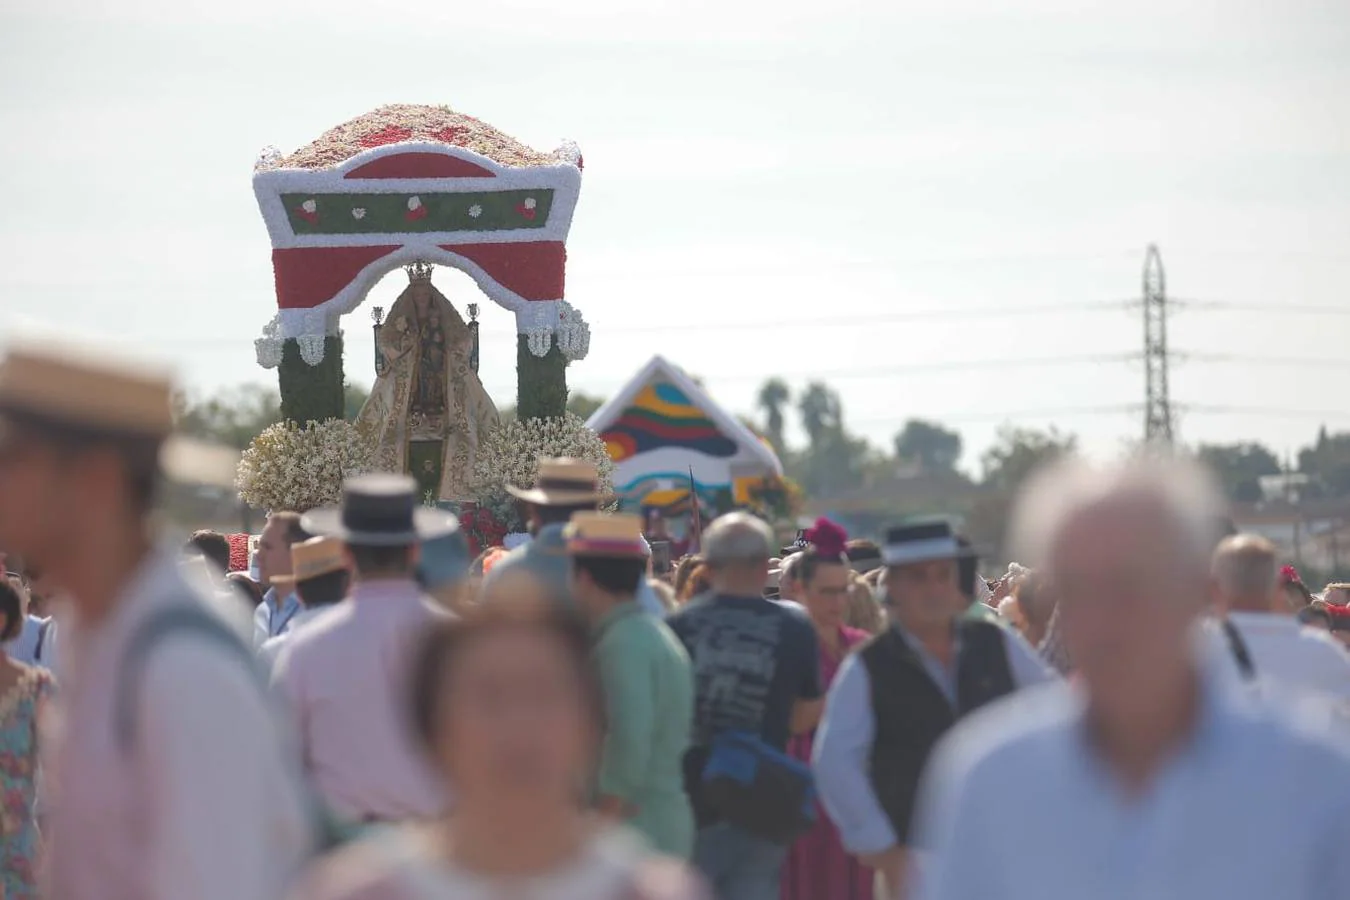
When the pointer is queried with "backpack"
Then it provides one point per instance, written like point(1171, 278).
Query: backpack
point(196, 619)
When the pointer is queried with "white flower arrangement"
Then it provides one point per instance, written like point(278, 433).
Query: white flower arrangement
point(511, 454)
point(294, 468)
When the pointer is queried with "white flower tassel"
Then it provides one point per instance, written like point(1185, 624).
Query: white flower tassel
point(268, 347)
point(539, 340)
point(573, 334)
point(311, 348)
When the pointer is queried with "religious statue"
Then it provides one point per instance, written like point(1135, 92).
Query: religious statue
point(428, 409)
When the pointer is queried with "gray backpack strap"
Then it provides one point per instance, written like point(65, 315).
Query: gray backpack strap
point(181, 619)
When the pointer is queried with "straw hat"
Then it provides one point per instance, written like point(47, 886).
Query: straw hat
point(45, 386)
point(312, 558)
point(606, 534)
point(562, 482)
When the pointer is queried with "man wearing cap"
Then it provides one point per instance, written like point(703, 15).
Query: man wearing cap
point(649, 687)
point(564, 486)
point(320, 577)
point(893, 700)
point(346, 671)
point(172, 780)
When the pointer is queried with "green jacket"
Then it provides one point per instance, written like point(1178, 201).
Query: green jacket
point(649, 692)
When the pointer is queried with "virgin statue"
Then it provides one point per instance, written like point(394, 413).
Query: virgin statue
point(428, 410)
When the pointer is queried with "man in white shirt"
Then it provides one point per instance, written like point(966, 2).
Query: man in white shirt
point(1259, 636)
point(1158, 777)
point(173, 781)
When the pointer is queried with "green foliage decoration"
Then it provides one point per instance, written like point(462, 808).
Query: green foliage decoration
point(541, 382)
point(311, 393)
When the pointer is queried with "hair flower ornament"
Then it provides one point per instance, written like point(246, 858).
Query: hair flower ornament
point(827, 537)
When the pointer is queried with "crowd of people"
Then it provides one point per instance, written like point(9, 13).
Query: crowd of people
point(1148, 709)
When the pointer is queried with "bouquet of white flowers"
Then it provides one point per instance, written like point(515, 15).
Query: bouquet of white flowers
point(294, 468)
point(511, 454)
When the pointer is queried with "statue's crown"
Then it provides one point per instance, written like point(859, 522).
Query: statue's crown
point(419, 271)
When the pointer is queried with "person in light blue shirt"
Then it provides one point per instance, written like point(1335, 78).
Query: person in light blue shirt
point(279, 607)
point(564, 486)
point(1159, 778)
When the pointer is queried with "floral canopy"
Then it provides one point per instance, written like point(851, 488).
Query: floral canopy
point(407, 183)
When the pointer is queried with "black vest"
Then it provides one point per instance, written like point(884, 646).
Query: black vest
point(911, 713)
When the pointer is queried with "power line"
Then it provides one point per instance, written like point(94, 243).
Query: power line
point(1292, 308)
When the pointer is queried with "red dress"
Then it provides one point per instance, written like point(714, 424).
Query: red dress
point(818, 867)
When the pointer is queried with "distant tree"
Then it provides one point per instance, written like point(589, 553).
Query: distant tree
point(821, 411)
point(1239, 467)
point(773, 396)
point(233, 416)
point(1017, 452)
point(1327, 463)
point(930, 445)
point(833, 459)
point(583, 406)
point(354, 396)
point(1015, 455)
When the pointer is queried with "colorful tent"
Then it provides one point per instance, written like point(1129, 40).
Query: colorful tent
point(661, 425)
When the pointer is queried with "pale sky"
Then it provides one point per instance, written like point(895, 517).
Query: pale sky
point(751, 170)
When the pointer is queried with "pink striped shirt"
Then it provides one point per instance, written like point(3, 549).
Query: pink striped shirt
point(346, 677)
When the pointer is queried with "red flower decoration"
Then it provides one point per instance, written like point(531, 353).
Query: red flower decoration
point(390, 134)
point(448, 135)
point(827, 537)
point(414, 215)
point(526, 212)
point(238, 552)
point(1289, 575)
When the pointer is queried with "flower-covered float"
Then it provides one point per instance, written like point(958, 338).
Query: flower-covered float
point(405, 184)
point(415, 186)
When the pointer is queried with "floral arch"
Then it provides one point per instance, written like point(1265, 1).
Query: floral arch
point(408, 183)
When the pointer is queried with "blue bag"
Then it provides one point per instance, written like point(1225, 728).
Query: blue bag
point(764, 791)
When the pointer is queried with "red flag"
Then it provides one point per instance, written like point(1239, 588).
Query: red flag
point(695, 520)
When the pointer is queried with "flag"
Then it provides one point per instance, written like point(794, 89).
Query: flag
point(695, 520)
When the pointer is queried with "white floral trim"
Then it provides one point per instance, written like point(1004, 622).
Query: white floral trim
point(290, 467)
point(563, 179)
point(538, 320)
point(510, 454)
point(568, 152)
point(268, 347)
point(572, 332)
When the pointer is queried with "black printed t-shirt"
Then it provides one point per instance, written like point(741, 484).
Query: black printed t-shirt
point(752, 659)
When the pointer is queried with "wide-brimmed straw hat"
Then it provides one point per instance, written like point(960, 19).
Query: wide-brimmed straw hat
point(313, 558)
point(617, 535)
point(562, 482)
point(380, 510)
point(45, 386)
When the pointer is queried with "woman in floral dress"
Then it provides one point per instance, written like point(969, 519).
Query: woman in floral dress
point(23, 692)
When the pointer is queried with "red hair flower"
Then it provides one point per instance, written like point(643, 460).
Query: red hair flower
point(827, 537)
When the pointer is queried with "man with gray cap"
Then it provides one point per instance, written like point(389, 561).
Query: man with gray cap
point(756, 672)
